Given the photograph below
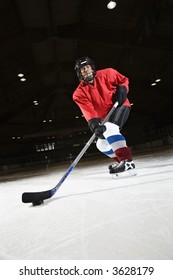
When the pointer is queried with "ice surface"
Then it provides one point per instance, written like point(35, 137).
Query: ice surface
point(92, 215)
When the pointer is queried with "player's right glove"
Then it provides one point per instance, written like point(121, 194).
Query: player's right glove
point(96, 127)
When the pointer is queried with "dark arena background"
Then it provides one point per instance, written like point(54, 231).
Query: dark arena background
point(39, 122)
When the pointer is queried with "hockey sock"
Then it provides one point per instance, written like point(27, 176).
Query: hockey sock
point(123, 153)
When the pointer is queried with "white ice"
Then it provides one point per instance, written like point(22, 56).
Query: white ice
point(92, 216)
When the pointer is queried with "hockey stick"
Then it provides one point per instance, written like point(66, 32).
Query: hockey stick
point(39, 197)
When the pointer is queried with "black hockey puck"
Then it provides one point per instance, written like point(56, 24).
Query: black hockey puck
point(37, 203)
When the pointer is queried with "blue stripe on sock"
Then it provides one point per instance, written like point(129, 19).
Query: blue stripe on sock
point(108, 152)
point(115, 138)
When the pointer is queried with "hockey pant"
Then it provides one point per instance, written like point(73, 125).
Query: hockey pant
point(114, 145)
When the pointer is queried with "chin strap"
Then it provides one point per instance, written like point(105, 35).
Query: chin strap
point(89, 78)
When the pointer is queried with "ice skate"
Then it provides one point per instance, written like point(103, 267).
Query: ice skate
point(123, 169)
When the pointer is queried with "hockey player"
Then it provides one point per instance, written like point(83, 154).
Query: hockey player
point(95, 96)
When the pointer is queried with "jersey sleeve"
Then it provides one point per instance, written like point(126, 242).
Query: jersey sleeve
point(117, 78)
point(85, 105)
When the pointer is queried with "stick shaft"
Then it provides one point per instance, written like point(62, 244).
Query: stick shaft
point(85, 148)
point(38, 196)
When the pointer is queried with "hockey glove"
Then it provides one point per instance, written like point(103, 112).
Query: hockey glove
point(120, 95)
point(96, 127)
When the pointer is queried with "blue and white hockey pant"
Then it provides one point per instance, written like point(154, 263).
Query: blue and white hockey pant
point(114, 145)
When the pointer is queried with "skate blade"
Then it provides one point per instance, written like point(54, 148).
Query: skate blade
point(125, 174)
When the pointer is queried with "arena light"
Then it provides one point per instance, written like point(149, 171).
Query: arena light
point(111, 5)
point(153, 84)
point(23, 79)
point(157, 80)
point(20, 75)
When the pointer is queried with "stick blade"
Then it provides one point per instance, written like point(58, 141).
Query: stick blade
point(30, 197)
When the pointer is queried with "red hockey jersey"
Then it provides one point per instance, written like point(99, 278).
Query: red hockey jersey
point(95, 101)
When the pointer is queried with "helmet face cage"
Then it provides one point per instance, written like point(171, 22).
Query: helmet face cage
point(82, 62)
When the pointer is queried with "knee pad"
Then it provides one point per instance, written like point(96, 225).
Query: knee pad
point(113, 136)
point(111, 129)
point(104, 147)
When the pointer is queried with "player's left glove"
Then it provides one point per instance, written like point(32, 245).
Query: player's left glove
point(120, 95)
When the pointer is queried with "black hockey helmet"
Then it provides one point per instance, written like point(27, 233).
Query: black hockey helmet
point(80, 62)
